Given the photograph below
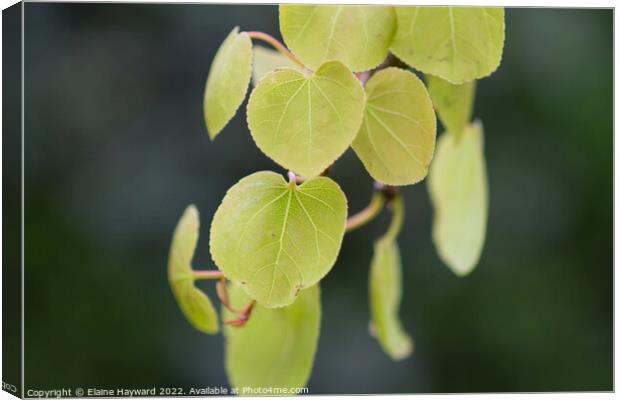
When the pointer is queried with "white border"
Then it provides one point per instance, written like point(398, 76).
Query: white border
point(507, 3)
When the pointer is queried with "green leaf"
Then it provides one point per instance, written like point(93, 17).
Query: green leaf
point(385, 296)
point(275, 238)
point(194, 304)
point(266, 60)
point(228, 81)
point(454, 103)
point(359, 36)
point(459, 193)
point(276, 347)
point(304, 123)
point(397, 138)
point(458, 44)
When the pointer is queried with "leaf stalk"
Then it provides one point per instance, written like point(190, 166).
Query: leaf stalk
point(367, 214)
point(398, 216)
point(200, 275)
point(243, 317)
point(276, 44)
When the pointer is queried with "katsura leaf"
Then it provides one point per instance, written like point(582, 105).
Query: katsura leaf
point(304, 123)
point(194, 304)
point(458, 44)
point(385, 296)
point(454, 103)
point(276, 347)
point(397, 137)
point(228, 81)
point(276, 238)
point(359, 36)
point(459, 193)
point(266, 60)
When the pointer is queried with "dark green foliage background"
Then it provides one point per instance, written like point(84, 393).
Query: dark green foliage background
point(116, 148)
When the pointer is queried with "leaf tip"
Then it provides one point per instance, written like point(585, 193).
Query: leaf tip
point(191, 211)
point(404, 351)
point(461, 269)
point(211, 135)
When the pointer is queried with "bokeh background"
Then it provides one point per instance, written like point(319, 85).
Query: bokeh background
point(116, 149)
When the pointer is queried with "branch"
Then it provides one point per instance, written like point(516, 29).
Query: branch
point(363, 77)
point(390, 61)
point(277, 44)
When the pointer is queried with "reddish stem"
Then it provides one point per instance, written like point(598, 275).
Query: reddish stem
point(222, 293)
point(243, 317)
point(277, 44)
point(208, 274)
point(363, 77)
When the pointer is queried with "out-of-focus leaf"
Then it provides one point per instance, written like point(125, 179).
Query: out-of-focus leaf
point(454, 103)
point(228, 81)
point(359, 36)
point(458, 44)
point(385, 296)
point(397, 137)
point(276, 347)
point(459, 193)
point(275, 238)
point(194, 304)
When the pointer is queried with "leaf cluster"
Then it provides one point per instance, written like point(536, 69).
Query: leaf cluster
point(344, 79)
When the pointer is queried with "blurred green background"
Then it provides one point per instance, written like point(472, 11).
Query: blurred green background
point(116, 149)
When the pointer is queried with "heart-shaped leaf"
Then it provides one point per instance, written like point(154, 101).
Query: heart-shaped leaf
point(275, 238)
point(195, 305)
point(454, 103)
point(385, 295)
point(458, 44)
point(459, 193)
point(228, 81)
point(397, 138)
point(359, 36)
point(267, 60)
point(304, 123)
point(276, 347)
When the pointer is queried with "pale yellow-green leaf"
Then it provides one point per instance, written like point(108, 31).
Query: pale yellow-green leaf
point(453, 103)
point(304, 123)
point(458, 44)
point(359, 36)
point(276, 347)
point(385, 296)
point(228, 81)
point(275, 238)
point(194, 304)
point(397, 137)
point(267, 60)
point(459, 193)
